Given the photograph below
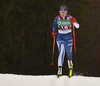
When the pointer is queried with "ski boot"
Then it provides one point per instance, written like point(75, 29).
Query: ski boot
point(70, 65)
point(59, 74)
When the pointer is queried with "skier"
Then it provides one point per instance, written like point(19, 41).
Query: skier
point(64, 36)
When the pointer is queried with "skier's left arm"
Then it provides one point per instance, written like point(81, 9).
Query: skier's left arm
point(76, 24)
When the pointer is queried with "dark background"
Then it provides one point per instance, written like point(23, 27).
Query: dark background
point(26, 39)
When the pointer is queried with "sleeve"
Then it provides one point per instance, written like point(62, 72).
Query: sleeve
point(55, 24)
point(76, 24)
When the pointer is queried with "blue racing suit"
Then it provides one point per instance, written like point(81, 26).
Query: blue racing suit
point(64, 37)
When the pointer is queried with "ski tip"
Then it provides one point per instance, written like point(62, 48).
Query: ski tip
point(51, 63)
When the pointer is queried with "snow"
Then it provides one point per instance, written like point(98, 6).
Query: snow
point(47, 80)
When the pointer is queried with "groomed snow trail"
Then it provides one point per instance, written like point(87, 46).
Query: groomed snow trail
point(49, 80)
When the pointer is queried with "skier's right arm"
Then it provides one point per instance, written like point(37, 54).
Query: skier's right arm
point(54, 27)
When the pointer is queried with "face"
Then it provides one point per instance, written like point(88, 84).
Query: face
point(63, 14)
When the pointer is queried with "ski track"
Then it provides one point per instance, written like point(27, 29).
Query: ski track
point(47, 80)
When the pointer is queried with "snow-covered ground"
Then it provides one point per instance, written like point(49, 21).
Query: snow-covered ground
point(51, 80)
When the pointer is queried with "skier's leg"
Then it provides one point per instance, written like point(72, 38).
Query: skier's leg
point(69, 44)
point(69, 63)
point(61, 47)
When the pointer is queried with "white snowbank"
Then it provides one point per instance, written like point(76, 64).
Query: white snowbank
point(21, 80)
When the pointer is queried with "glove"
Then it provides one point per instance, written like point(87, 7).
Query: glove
point(54, 33)
point(73, 20)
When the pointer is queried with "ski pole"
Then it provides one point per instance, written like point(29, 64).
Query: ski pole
point(74, 47)
point(53, 50)
point(74, 39)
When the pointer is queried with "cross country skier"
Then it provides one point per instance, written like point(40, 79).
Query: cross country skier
point(64, 36)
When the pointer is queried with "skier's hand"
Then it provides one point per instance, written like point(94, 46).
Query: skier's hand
point(54, 33)
point(73, 20)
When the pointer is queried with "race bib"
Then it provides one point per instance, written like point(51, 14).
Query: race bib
point(64, 24)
